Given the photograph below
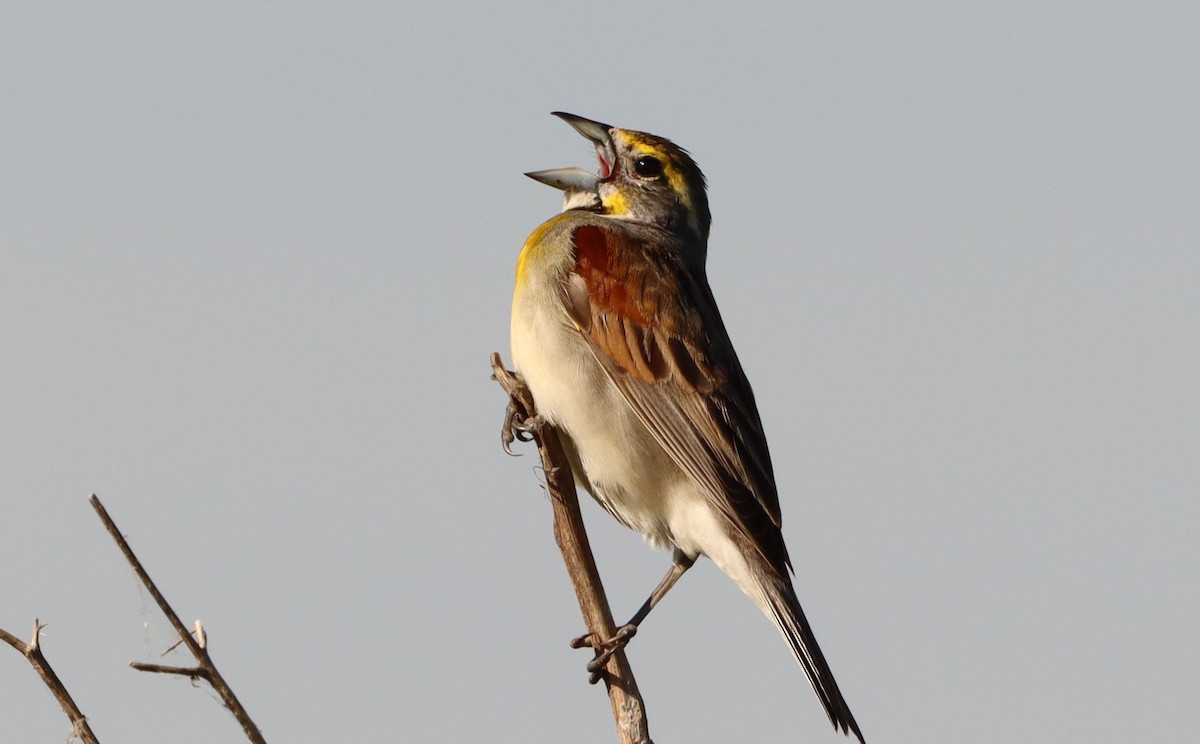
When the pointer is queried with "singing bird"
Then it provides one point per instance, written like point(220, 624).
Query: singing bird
point(617, 335)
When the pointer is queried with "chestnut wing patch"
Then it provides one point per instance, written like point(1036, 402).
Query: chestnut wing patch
point(625, 304)
point(655, 329)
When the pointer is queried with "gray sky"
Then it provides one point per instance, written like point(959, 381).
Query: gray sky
point(254, 259)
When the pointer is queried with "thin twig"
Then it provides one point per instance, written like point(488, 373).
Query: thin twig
point(205, 670)
point(629, 710)
point(177, 644)
point(33, 652)
point(193, 672)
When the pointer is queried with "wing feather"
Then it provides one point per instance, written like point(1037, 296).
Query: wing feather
point(653, 324)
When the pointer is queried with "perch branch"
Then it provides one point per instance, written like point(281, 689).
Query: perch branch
point(32, 651)
point(629, 710)
point(205, 669)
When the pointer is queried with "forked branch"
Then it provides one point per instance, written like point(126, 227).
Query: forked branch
point(204, 669)
point(33, 652)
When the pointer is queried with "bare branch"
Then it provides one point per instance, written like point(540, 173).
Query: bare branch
point(629, 710)
point(207, 670)
point(193, 672)
point(33, 652)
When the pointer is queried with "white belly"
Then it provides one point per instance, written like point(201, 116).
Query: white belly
point(624, 468)
point(622, 465)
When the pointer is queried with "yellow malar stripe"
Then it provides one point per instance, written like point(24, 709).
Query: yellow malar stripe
point(615, 203)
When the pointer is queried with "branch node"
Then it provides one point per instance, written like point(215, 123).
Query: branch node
point(35, 640)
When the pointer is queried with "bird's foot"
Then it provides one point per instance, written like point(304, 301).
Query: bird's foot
point(518, 426)
point(604, 649)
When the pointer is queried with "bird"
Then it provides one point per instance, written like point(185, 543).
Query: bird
point(616, 333)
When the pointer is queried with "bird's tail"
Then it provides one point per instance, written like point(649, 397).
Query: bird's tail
point(784, 609)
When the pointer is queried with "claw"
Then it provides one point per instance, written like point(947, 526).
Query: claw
point(518, 426)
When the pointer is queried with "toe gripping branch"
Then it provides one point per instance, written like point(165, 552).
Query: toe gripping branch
point(680, 563)
point(518, 426)
point(521, 422)
point(604, 649)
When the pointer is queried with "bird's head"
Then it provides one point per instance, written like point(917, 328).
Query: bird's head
point(642, 177)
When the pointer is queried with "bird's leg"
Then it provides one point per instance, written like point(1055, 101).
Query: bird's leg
point(518, 426)
point(680, 563)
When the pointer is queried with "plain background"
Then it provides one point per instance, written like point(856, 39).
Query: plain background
point(255, 256)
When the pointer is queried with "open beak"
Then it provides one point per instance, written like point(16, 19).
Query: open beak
point(578, 179)
point(567, 179)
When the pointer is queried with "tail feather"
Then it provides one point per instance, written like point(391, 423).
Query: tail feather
point(785, 611)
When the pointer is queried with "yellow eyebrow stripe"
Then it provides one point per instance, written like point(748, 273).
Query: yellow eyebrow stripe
point(674, 176)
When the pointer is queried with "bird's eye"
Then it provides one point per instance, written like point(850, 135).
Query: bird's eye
point(648, 167)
